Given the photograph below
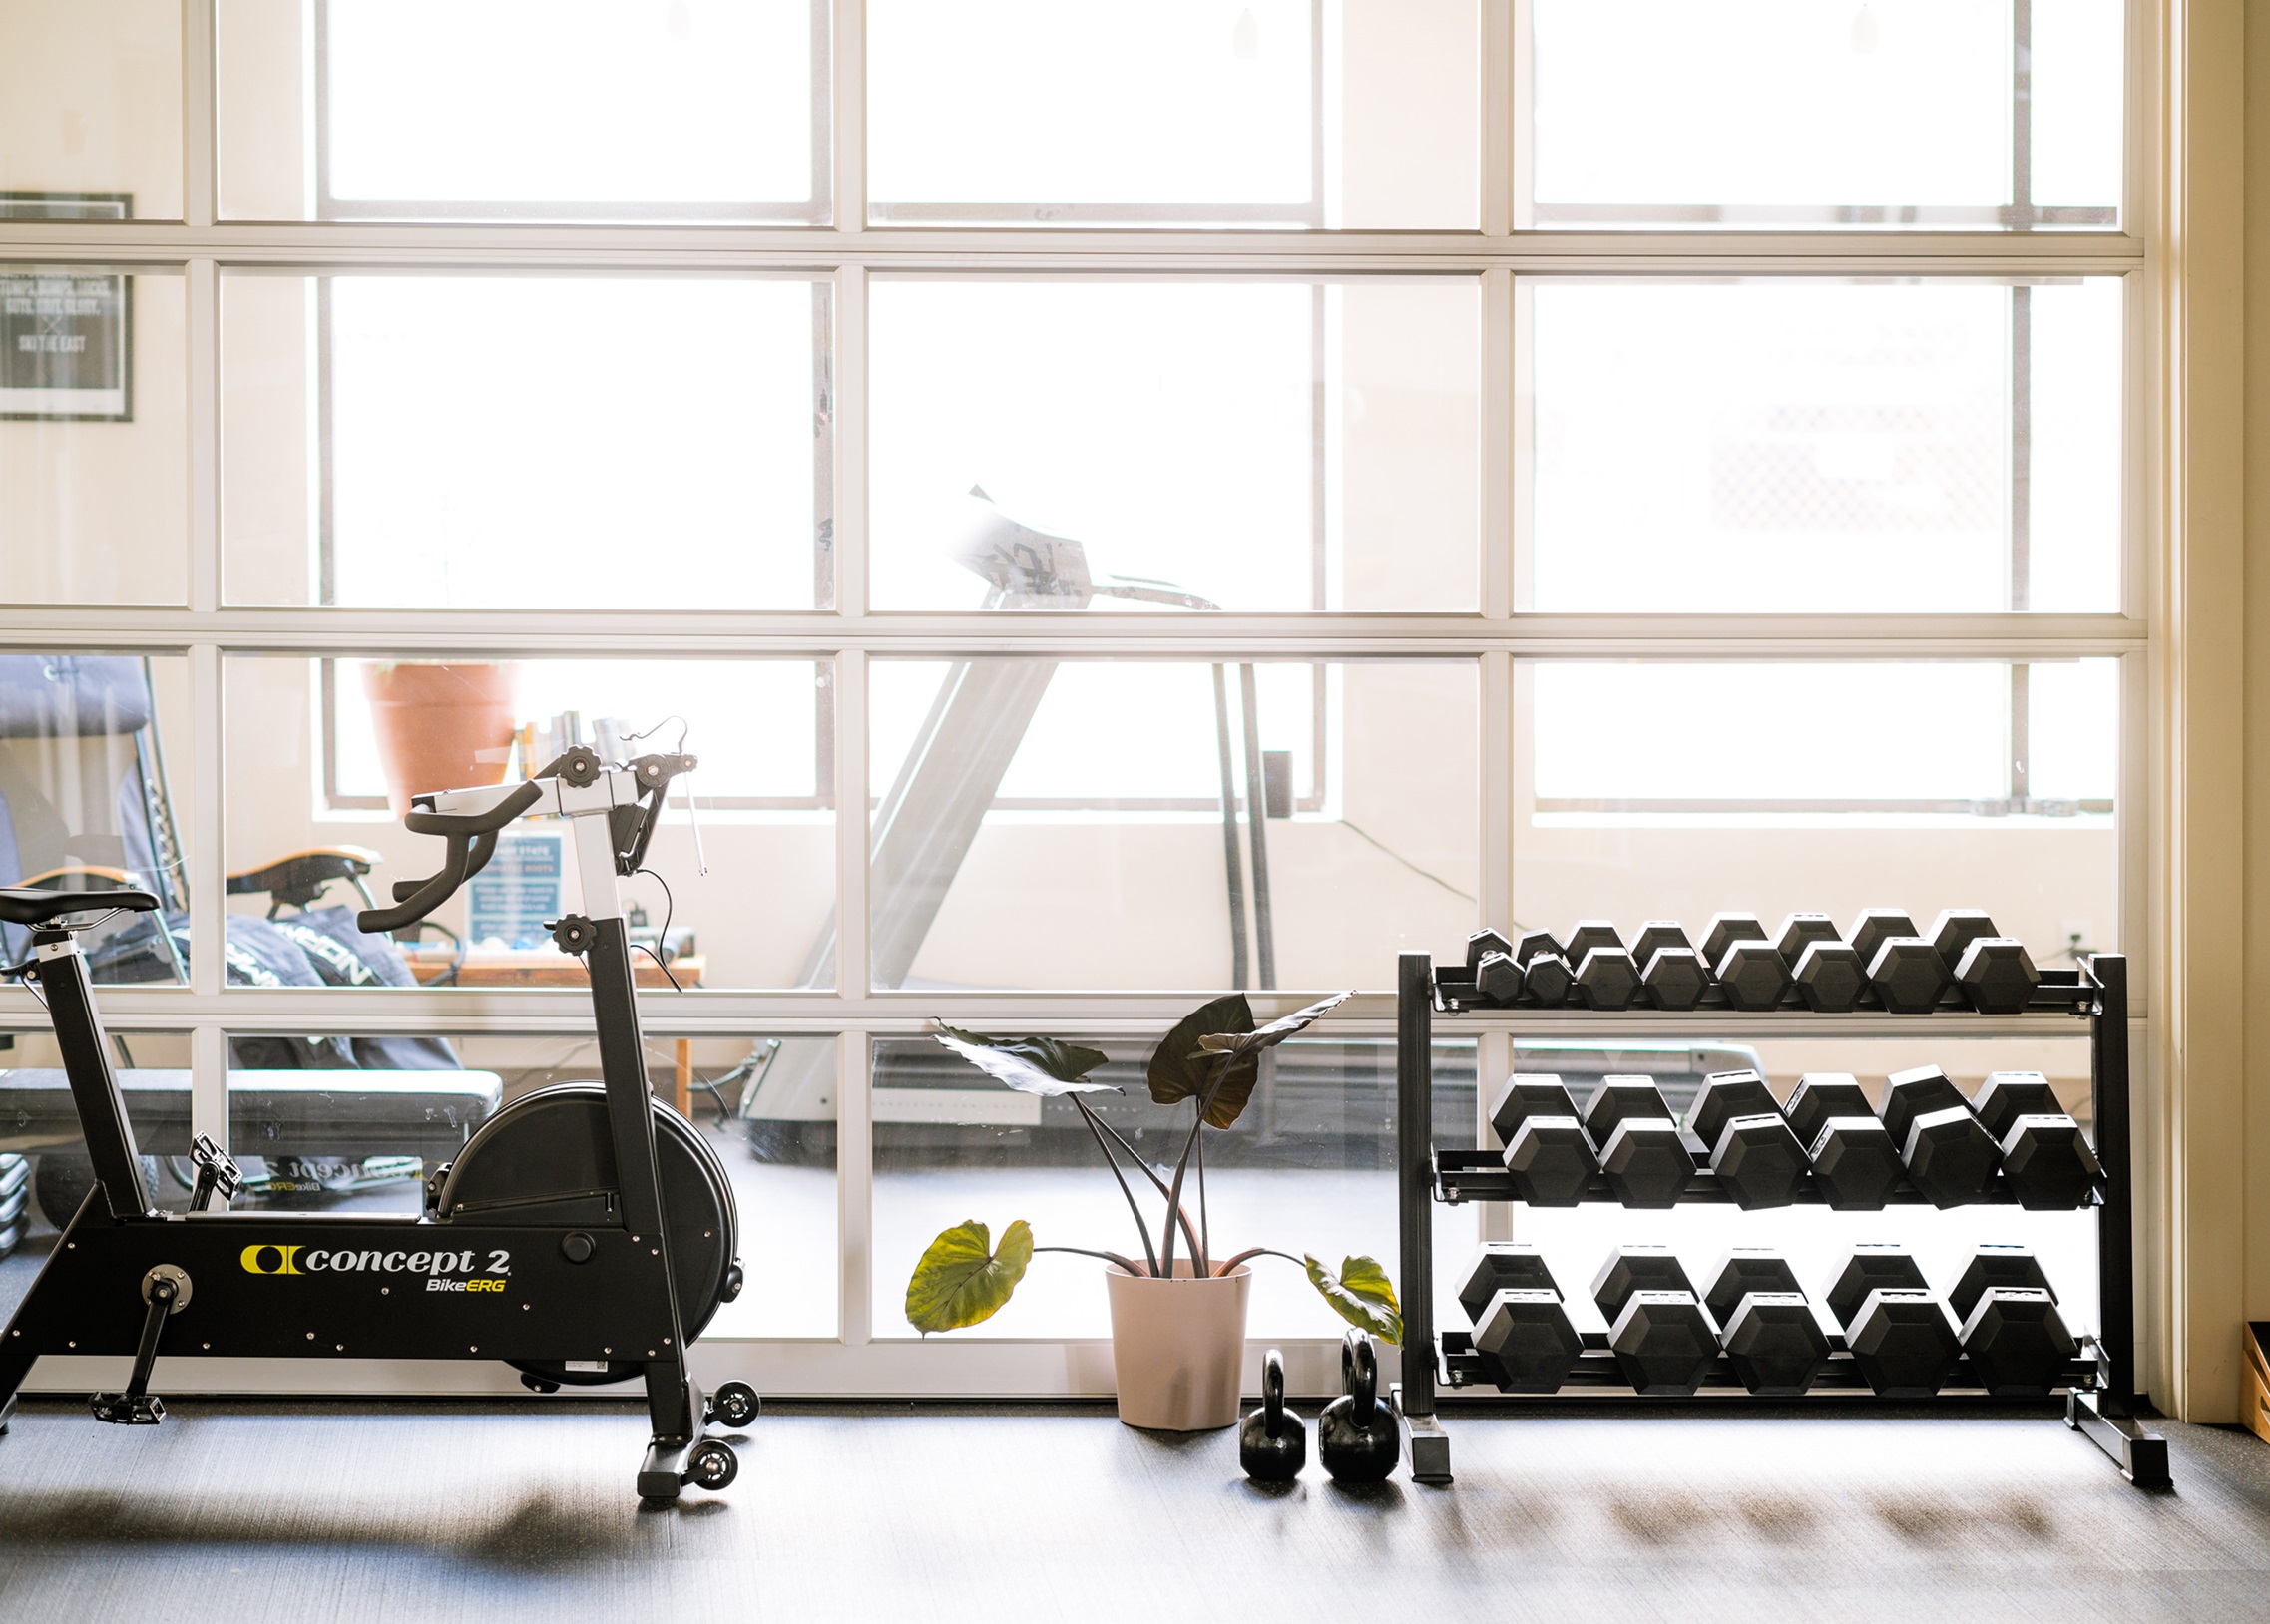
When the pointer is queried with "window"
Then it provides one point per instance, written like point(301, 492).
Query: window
point(1125, 501)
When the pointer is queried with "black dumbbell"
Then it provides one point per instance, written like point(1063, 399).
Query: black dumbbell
point(1903, 966)
point(2044, 1154)
point(1950, 1155)
point(1637, 1141)
point(1752, 1151)
point(1272, 1441)
point(1997, 975)
point(1748, 965)
point(1672, 973)
point(1607, 976)
point(1898, 1332)
point(1772, 1338)
point(1550, 1159)
point(2017, 1340)
point(1490, 966)
point(1519, 1318)
point(1856, 1167)
point(1662, 1340)
point(1825, 968)
point(1546, 975)
point(1955, 929)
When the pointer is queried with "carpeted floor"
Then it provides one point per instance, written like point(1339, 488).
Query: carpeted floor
point(314, 1512)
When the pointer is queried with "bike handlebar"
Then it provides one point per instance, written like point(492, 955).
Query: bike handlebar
point(472, 838)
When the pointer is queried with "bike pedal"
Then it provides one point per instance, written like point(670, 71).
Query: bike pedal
point(127, 1408)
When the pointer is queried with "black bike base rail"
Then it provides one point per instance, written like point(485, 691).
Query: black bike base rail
point(2099, 1386)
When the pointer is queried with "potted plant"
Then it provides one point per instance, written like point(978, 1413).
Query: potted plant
point(440, 724)
point(1178, 1310)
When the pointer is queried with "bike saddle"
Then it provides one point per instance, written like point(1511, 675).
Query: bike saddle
point(25, 906)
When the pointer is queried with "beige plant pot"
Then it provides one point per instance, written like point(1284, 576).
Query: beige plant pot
point(1177, 1347)
point(440, 726)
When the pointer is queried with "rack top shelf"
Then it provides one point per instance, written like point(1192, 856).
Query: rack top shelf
point(2070, 992)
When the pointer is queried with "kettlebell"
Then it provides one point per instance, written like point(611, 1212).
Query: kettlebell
point(1355, 1436)
point(1272, 1442)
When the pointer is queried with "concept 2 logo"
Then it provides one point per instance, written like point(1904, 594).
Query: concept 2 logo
point(299, 1259)
point(270, 1259)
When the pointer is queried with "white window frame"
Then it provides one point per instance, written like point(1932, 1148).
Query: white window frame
point(206, 629)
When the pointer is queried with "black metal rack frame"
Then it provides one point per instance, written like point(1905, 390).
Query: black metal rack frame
point(2100, 1391)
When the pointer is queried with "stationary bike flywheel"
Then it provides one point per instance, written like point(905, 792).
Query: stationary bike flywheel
point(548, 1159)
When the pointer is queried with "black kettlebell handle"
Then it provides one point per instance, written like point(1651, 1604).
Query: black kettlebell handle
point(1273, 1393)
point(1359, 1375)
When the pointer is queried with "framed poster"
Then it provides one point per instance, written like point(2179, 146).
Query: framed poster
point(66, 334)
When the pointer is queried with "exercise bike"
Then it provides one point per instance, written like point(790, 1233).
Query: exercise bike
point(585, 1234)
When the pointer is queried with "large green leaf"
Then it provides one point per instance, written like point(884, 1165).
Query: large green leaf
point(963, 1278)
point(1180, 1071)
point(1031, 1065)
point(1360, 1294)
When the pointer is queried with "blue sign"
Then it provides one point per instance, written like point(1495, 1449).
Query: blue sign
point(517, 893)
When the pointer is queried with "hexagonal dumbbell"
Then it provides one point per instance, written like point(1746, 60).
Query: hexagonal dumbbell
point(1898, 1332)
point(1638, 1143)
point(2017, 1341)
point(1490, 966)
point(1752, 1151)
point(1874, 927)
point(1955, 929)
point(1827, 972)
point(1519, 1318)
point(1907, 974)
point(1997, 975)
point(1546, 975)
point(1607, 978)
point(1547, 1153)
point(1747, 967)
point(1662, 1340)
point(1856, 1167)
point(1771, 1336)
point(1672, 973)
point(1948, 1153)
point(2044, 1154)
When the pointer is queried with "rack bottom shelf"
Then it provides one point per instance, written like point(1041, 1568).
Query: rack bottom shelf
point(1462, 1365)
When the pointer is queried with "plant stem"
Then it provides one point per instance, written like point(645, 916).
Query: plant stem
point(1205, 1232)
point(1228, 1264)
point(1129, 1264)
point(1189, 1234)
point(1150, 1253)
point(1183, 1163)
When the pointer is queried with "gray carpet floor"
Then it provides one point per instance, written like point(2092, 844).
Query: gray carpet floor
point(368, 1512)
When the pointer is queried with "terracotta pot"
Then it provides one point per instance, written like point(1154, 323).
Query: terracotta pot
point(1177, 1348)
point(440, 726)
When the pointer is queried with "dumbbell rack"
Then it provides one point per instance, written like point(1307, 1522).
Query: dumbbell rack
point(2100, 1385)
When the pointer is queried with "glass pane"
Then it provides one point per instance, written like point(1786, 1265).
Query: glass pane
point(1924, 786)
point(44, 1170)
point(356, 1123)
point(90, 108)
point(1923, 114)
point(685, 470)
point(94, 436)
point(1257, 445)
point(319, 752)
point(1308, 1168)
point(97, 783)
point(1824, 446)
point(566, 109)
point(1094, 796)
point(1287, 113)
point(1816, 1240)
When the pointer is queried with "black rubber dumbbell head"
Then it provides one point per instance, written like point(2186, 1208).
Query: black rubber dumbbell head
point(1752, 974)
point(1546, 975)
point(1903, 1344)
point(1775, 1345)
point(1871, 1267)
point(1799, 931)
point(2050, 1164)
point(1748, 1269)
point(1909, 1094)
point(1854, 1165)
point(1663, 1343)
point(1607, 978)
point(1950, 1156)
point(1528, 1333)
point(1724, 930)
point(1997, 975)
point(1503, 1266)
point(1486, 942)
point(2008, 1095)
point(1646, 1163)
point(1618, 1099)
point(1498, 978)
point(1876, 926)
point(1998, 1264)
point(1526, 1094)
point(1725, 1095)
point(1671, 971)
point(1907, 974)
point(1820, 1095)
point(1955, 929)
point(2019, 1343)
point(1549, 1162)
point(1636, 1268)
point(1829, 978)
point(1760, 1162)
point(1588, 934)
